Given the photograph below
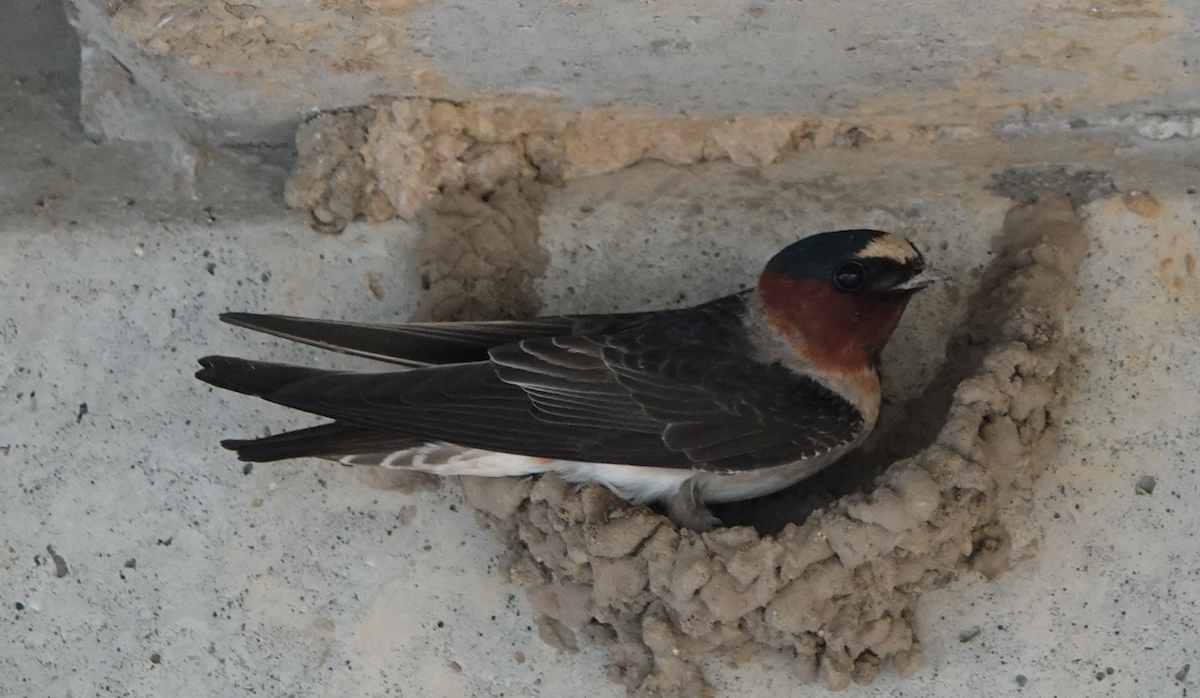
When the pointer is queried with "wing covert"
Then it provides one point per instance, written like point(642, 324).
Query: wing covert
point(677, 389)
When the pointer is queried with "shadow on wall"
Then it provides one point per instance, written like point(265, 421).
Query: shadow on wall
point(39, 49)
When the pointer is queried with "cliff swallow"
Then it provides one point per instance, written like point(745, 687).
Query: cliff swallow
point(728, 400)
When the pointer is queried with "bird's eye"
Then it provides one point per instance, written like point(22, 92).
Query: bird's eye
point(850, 276)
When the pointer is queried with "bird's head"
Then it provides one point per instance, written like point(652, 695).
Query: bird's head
point(838, 296)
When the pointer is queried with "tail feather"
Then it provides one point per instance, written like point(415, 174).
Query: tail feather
point(335, 441)
point(412, 344)
point(264, 379)
point(258, 378)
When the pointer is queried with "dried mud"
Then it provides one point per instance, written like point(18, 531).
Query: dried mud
point(330, 178)
point(472, 175)
point(835, 592)
point(415, 149)
point(1057, 58)
point(479, 254)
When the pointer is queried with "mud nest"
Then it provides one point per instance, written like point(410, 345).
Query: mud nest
point(836, 592)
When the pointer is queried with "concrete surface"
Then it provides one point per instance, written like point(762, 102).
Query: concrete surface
point(238, 73)
point(139, 559)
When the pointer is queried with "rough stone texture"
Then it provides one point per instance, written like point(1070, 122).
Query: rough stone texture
point(328, 570)
point(1082, 185)
point(246, 72)
point(839, 590)
point(414, 149)
point(470, 173)
point(480, 254)
point(330, 179)
point(185, 572)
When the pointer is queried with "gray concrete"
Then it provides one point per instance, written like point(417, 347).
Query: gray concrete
point(175, 572)
point(700, 57)
point(246, 73)
point(181, 573)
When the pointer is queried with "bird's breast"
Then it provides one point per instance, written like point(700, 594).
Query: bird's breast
point(832, 336)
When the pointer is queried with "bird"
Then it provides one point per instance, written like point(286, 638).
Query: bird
point(728, 400)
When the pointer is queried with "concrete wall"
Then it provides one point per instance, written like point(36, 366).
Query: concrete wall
point(142, 192)
point(246, 72)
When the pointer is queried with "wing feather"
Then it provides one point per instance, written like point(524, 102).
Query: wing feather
point(414, 343)
point(677, 389)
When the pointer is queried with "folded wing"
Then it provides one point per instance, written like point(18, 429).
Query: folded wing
point(416, 343)
point(674, 389)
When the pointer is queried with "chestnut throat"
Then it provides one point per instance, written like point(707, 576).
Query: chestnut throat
point(837, 331)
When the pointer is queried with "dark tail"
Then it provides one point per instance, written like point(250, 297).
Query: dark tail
point(271, 381)
point(326, 441)
point(259, 378)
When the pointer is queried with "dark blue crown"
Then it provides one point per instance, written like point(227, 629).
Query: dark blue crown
point(816, 257)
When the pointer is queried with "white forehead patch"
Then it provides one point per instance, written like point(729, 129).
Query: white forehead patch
point(890, 247)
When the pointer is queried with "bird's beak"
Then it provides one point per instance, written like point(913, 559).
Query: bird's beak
point(925, 278)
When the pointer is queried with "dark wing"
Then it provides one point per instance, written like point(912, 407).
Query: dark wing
point(690, 377)
point(677, 389)
point(465, 404)
point(418, 343)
